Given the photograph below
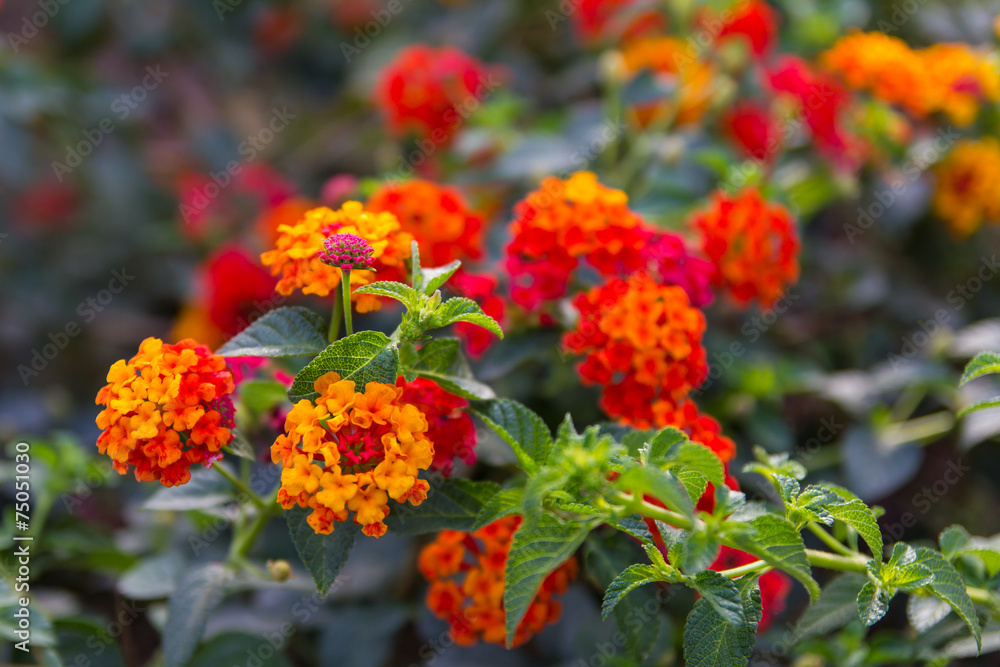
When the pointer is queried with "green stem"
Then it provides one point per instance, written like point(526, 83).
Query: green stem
point(749, 568)
point(244, 540)
point(830, 541)
point(345, 287)
point(856, 563)
point(334, 332)
point(240, 486)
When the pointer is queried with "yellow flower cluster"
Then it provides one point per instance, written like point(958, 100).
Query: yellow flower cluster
point(950, 78)
point(351, 452)
point(967, 192)
point(295, 257)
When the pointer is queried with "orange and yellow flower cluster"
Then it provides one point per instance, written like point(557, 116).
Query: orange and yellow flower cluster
point(351, 452)
point(466, 575)
point(967, 194)
point(166, 409)
point(948, 78)
point(669, 59)
point(295, 255)
point(753, 245)
point(642, 343)
point(439, 218)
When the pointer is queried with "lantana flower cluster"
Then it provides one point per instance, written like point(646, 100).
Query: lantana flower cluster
point(449, 427)
point(466, 575)
point(296, 256)
point(166, 409)
point(351, 451)
point(947, 78)
point(967, 194)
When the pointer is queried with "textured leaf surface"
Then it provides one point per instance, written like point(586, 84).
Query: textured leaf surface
point(283, 332)
point(367, 356)
point(502, 504)
point(452, 504)
point(441, 360)
point(722, 593)
point(633, 577)
point(198, 593)
point(776, 541)
point(434, 278)
point(984, 363)
point(460, 309)
point(520, 428)
point(860, 517)
point(873, 602)
point(537, 550)
point(393, 290)
point(660, 484)
point(711, 641)
point(949, 586)
point(323, 555)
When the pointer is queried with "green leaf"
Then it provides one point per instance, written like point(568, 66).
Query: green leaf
point(634, 526)
point(520, 428)
point(976, 407)
point(198, 593)
point(441, 360)
point(696, 552)
point(261, 396)
point(949, 586)
point(460, 309)
point(860, 517)
point(416, 271)
point(698, 457)
point(776, 464)
point(633, 577)
point(452, 504)
point(283, 332)
point(712, 641)
point(323, 555)
point(836, 607)
point(152, 578)
point(873, 602)
point(660, 484)
point(777, 542)
point(405, 294)
point(503, 504)
point(926, 611)
point(956, 542)
point(722, 593)
point(537, 550)
point(984, 363)
point(367, 356)
point(911, 576)
point(953, 541)
point(661, 442)
point(436, 277)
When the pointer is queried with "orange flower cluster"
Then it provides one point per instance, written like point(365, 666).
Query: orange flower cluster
point(753, 245)
point(642, 343)
point(564, 222)
point(699, 427)
point(438, 217)
point(474, 607)
point(671, 62)
point(950, 78)
point(166, 409)
point(295, 255)
point(351, 452)
point(967, 193)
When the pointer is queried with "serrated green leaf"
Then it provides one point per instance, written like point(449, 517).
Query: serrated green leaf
point(953, 541)
point(836, 607)
point(911, 576)
point(984, 363)
point(405, 294)
point(777, 542)
point(324, 556)
point(665, 487)
point(634, 526)
point(860, 517)
point(661, 442)
point(950, 587)
point(722, 593)
point(771, 464)
point(698, 457)
point(283, 332)
point(873, 602)
point(696, 552)
point(538, 549)
point(367, 356)
point(452, 504)
point(504, 503)
point(694, 482)
point(460, 309)
point(440, 360)
point(633, 577)
point(956, 543)
point(197, 594)
point(711, 641)
point(520, 428)
point(436, 277)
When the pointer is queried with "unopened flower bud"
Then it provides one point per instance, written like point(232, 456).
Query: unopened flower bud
point(279, 569)
point(347, 252)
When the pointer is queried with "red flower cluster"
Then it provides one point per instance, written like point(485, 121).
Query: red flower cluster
point(753, 245)
point(430, 91)
point(166, 409)
point(448, 426)
point(474, 607)
point(608, 19)
point(754, 130)
point(642, 343)
point(579, 220)
point(753, 20)
point(444, 225)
